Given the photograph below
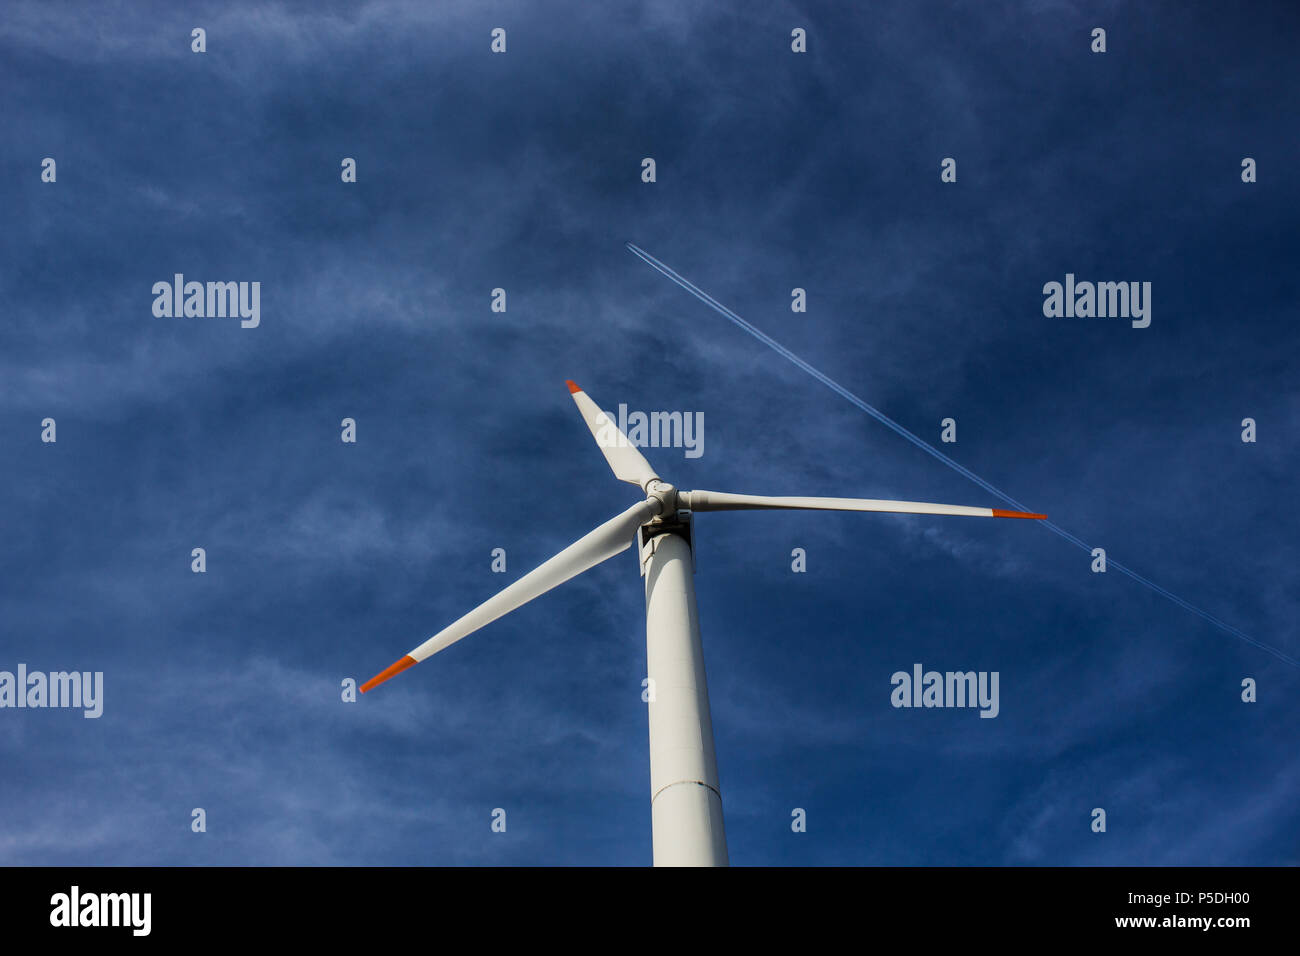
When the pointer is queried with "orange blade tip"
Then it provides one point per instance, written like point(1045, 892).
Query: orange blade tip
point(999, 513)
point(391, 671)
point(574, 387)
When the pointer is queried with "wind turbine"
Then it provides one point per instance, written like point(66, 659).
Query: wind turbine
point(685, 802)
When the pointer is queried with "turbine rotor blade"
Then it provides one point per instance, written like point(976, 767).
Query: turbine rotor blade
point(723, 501)
point(625, 461)
point(613, 537)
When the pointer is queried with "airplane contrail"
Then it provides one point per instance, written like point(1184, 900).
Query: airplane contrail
point(934, 452)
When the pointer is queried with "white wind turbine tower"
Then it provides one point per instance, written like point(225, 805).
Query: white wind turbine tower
point(685, 802)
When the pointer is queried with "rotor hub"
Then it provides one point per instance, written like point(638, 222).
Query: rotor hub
point(665, 494)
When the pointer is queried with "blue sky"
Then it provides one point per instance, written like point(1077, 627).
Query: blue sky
point(522, 171)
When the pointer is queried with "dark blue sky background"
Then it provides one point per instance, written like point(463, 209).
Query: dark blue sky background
point(522, 171)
